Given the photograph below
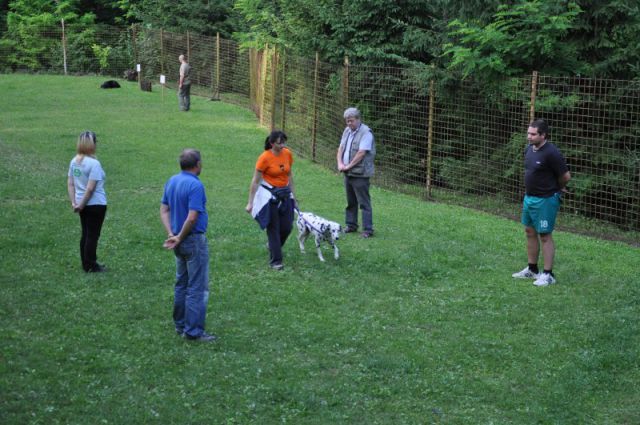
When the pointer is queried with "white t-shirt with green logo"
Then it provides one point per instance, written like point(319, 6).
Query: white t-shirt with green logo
point(88, 169)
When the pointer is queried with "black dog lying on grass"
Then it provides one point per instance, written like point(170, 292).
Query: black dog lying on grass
point(111, 84)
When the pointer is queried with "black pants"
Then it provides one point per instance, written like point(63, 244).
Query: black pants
point(279, 228)
point(91, 219)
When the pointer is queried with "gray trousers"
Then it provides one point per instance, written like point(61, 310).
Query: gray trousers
point(357, 189)
point(184, 97)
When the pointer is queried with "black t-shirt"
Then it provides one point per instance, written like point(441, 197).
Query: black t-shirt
point(542, 169)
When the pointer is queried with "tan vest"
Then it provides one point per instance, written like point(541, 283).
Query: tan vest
point(365, 167)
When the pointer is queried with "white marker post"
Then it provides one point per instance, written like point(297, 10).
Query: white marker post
point(163, 81)
point(138, 69)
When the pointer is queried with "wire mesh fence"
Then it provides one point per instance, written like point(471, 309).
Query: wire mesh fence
point(67, 49)
point(446, 140)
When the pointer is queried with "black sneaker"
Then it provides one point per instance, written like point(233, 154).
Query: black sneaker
point(350, 229)
point(205, 337)
point(276, 266)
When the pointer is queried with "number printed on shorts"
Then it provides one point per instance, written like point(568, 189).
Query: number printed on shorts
point(544, 224)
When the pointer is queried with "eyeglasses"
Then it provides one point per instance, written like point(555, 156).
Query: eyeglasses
point(280, 142)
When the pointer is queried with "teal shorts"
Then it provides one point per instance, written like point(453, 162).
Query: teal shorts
point(540, 213)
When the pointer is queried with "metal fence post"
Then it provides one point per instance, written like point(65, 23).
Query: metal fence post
point(64, 47)
point(253, 76)
point(134, 39)
point(345, 82)
point(161, 51)
point(188, 47)
point(534, 90)
point(432, 93)
point(274, 85)
point(263, 82)
point(314, 128)
point(283, 96)
point(216, 93)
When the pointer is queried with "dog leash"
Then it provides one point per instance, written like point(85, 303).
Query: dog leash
point(318, 231)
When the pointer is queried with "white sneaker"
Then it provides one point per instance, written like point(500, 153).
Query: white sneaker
point(544, 279)
point(525, 274)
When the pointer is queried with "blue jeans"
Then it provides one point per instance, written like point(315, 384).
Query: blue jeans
point(191, 293)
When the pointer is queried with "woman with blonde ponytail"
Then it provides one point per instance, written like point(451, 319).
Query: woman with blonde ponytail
point(85, 185)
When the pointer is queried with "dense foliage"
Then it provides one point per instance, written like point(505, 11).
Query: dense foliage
point(488, 39)
point(206, 17)
point(474, 51)
point(520, 38)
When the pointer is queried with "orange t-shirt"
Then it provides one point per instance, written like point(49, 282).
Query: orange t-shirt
point(275, 169)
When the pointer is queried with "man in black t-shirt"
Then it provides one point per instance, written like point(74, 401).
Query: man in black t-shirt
point(545, 178)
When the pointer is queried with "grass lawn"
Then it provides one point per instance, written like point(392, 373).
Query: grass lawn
point(420, 324)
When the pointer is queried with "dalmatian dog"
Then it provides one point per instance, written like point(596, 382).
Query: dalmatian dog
point(321, 228)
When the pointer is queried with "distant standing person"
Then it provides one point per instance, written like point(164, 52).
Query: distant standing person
point(85, 186)
point(545, 178)
point(184, 216)
point(272, 194)
point(355, 159)
point(184, 85)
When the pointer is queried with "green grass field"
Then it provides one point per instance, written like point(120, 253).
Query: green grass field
point(421, 324)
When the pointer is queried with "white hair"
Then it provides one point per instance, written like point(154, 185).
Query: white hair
point(351, 113)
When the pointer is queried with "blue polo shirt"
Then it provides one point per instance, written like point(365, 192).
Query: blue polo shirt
point(184, 192)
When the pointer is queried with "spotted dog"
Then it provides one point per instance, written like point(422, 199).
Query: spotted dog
point(321, 228)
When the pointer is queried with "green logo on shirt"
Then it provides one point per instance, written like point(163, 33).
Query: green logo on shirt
point(77, 172)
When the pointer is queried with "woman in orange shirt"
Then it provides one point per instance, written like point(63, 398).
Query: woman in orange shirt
point(272, 194)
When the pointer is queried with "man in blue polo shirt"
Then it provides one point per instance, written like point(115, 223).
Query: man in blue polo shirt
point(184, 216)
point(545, 178)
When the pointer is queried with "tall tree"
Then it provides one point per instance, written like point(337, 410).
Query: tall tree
point(4, 9)
point(108, 12)
point(531, 35)
point(582, 37)
point(34, 27)
point(205, 17)
point(371, 30)
point(608, 36)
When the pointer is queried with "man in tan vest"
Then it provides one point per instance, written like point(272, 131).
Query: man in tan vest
point(355, 159)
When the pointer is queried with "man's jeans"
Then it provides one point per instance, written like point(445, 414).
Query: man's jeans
point(192, 285)
point(357, 189)
point(184, 97)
